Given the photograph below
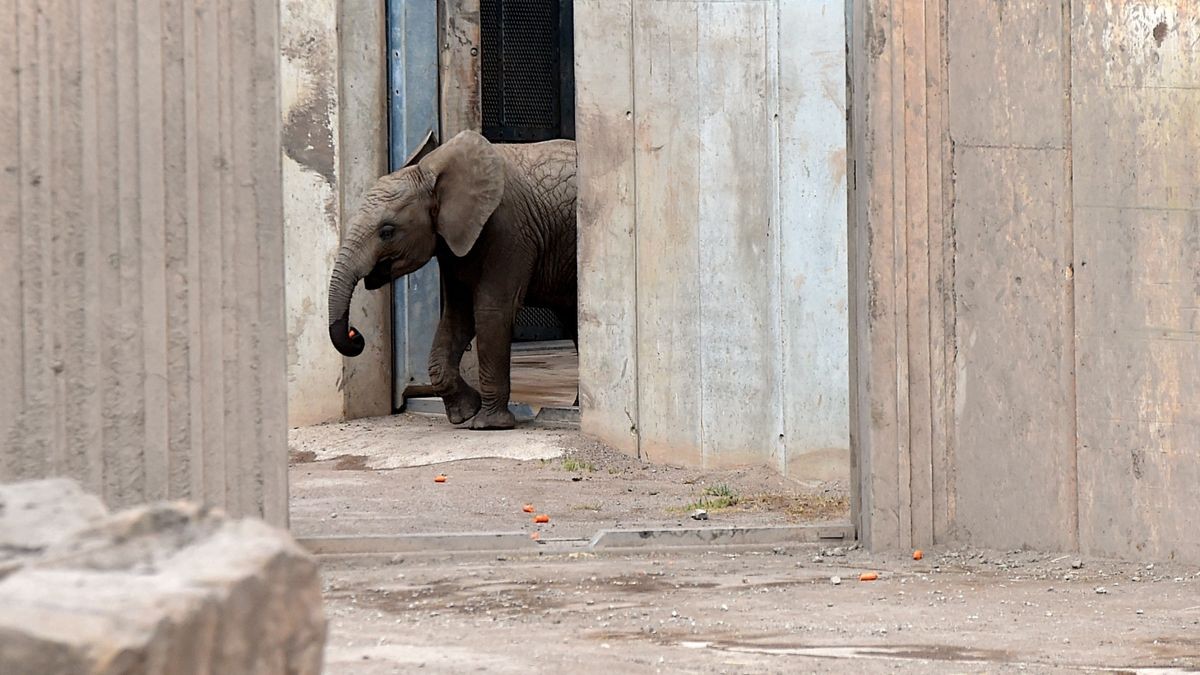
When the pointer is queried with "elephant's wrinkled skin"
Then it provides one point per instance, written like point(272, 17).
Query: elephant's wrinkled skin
point(501, 221)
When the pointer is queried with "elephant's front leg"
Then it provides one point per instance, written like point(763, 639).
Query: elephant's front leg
point(494, 328)
point(454, 333)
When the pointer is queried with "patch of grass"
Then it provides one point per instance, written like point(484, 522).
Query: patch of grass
point(575, 465)
point(721, 490)
point(715, 498)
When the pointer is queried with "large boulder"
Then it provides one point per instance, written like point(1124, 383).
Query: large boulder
point(36, 514)
point(166, 588)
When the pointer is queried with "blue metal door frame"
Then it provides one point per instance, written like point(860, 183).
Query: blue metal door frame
point(413, 111)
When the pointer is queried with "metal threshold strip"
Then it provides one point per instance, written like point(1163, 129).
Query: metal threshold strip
point(522, 411)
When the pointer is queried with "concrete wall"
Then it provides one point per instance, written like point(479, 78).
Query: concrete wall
point(311, 205)
point(141, 296)
point(712, 215)
point(1024, 254)
point(334, 87)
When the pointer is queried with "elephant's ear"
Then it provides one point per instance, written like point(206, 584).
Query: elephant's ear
point(426, 146)
point(469, 176)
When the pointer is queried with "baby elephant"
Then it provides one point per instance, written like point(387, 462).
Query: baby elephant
point(501, 221)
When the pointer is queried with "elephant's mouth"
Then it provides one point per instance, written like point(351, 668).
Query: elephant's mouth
point(380, 275)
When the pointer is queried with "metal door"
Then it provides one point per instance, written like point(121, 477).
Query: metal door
point(413, 108)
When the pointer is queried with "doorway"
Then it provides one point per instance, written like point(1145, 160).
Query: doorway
point(375, 477)
point(527, 95)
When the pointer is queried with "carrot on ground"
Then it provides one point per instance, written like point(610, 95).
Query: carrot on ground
point(541, 518)
point(868, 576)
point(528, 508)
point(918, 554)
point(440, 478)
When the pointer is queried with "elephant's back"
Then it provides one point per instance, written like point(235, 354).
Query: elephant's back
point(545, 164)
point(547, 194)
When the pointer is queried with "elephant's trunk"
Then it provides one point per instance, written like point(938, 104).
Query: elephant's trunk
point(346, 274)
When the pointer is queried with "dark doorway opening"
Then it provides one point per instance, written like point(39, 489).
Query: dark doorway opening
point(527, 87)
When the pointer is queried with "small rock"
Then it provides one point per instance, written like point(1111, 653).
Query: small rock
point(1100, 590)
point(836, 581)
point(818, 559)
point(1078, 564)
point(699, 514)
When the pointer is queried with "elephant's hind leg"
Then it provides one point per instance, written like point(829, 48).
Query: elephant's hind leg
point(494, 328)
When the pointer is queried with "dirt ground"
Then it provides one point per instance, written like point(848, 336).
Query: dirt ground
point(764, 612)
point(789, 610)
point(376, 476)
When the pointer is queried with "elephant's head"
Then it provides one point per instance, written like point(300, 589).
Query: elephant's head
point(448, 192)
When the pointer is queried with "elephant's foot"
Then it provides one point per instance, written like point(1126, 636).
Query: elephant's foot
point(488, 419)
point(462, 404)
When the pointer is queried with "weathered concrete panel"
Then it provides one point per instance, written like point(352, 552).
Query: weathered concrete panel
point(608, 369)
point(735, 131)
point(901, 271)
point(362, 158)
point(813, 284)
point(738, 238)
point(667, 89)
point(1136, 66)
point(1075, 204)
point(1139, 376)
point(1014, 407)
point(461, 94)
point(309, 86)
point(1014, 356)
point(1006, 73)
point(143, 320)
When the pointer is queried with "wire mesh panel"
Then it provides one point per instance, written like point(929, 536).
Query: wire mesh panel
point(528, 92)
point(527, 70)
point(537, 323)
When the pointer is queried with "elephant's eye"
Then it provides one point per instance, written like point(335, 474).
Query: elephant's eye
point(387, 232)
